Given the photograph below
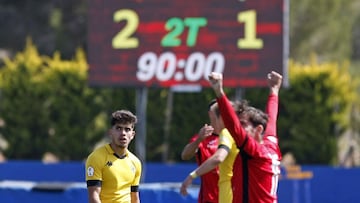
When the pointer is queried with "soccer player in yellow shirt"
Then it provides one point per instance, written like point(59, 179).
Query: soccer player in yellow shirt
point(112, 171)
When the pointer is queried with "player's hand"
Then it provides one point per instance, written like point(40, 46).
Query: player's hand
point(274, 80)
point(216, 82)
point(205, 131)
point(187, 182)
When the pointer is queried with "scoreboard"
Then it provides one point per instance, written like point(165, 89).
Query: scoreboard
point(164, 43)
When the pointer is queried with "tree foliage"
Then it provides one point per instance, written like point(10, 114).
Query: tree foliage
point(325, 27)
point(53, 25)
point(47, 106)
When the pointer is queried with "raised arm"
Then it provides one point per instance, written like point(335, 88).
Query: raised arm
point(274, 80)
point(231, 120)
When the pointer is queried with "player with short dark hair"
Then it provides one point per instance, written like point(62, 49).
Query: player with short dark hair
point(112, 171)
point(257, 177)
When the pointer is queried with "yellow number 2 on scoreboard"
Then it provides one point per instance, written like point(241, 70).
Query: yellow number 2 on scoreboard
point(123, 39)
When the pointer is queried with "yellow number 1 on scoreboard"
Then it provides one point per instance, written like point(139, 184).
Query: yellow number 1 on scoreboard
point(249, 41)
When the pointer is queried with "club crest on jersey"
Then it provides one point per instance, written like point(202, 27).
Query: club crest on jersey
point(109, 163)
point(90, 171)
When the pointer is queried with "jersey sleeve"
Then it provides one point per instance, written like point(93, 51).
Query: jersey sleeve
point(138, 168)
point(193, 138)
point(270, 135)
point(94, 166)
point(272, 111)
point(225, 139)
point(231, 121)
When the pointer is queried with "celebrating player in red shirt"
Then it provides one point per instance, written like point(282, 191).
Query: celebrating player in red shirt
point(203, 145)
point(257, 178)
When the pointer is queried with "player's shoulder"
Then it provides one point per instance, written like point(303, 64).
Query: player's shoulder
point(97, 157)
point(271, 138)
point(133, 157)
point(98, 150)
point(226, 136)
point(98, 153)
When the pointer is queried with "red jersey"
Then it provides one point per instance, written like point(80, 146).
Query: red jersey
point(209, 191)
point(257, 168)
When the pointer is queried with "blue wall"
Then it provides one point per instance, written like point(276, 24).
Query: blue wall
point(26, 181)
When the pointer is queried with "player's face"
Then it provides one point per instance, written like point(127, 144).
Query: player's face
point(215, 120)
point(121, 134)
point(248, 127)
point(212, 117)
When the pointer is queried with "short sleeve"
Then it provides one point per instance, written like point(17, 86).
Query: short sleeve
point(226, 139)
point(94, 165)
point(138, 172)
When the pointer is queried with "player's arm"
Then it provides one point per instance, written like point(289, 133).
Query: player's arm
point(94, 194)
point(274, 80)
point(212, 162)
point(134, 188)
point(135, 197)
point(227, 112)
point(93, 177)
point(191, 148)
point(218, 157)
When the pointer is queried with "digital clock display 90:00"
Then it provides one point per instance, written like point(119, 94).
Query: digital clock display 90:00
point(164, 43)
point(163, 67)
